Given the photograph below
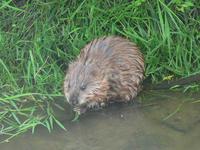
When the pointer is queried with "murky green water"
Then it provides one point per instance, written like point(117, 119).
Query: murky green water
point(125, 127)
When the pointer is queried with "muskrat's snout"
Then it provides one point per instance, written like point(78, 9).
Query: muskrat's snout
point(73, 100)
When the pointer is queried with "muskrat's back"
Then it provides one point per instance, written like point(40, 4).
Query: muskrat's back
point(107, 69)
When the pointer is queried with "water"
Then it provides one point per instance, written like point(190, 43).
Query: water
point(124, 127)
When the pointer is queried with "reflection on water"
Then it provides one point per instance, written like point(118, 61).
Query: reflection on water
point(149, 126)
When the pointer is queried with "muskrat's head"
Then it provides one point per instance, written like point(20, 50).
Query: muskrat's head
point(85, 86)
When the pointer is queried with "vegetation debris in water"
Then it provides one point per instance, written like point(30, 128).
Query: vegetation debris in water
point(76, 117)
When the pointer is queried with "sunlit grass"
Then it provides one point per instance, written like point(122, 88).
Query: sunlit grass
point(39, 39)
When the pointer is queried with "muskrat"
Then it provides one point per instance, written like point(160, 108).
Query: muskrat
point(108, 69)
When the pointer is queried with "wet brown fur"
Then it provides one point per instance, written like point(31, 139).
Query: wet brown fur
point(107, 69)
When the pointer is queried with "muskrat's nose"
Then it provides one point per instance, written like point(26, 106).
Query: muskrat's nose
point(73, 100)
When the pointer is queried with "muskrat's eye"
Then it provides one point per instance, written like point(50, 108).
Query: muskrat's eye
point(83, 87)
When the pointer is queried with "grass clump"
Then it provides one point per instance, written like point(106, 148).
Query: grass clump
point(39, 38)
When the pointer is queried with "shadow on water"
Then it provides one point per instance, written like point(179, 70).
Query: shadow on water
point(164, 120)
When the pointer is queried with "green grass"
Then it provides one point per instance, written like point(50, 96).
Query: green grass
point(39, 39)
